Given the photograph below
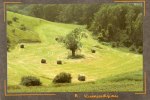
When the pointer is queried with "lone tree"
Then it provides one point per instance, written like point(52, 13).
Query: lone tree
point(73, 40)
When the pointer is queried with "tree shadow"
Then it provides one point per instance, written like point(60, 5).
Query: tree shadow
point(76, 56)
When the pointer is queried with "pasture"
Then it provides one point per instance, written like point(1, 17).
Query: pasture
point(109, 69)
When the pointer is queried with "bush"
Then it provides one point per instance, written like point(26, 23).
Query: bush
point(127, 43)
point(140, 49)
point(9, 22)
point(132, 48)
point(113, 45)
point(30, 81)
point(81, 77)
point(118, 44)
point(62, 77)
point(15, 19)
point(43, 60)
point(100, 37)
point(22, 27)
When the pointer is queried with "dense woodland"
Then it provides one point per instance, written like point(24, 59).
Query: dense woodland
point(117, 24)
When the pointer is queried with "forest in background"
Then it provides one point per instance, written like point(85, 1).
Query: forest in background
point(117, 24)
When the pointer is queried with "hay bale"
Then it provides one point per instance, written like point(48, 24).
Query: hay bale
point(93, 50)
point(21, 46)
point(59, 62)
point(43, 61)
point(81, 77)
point(56, 38)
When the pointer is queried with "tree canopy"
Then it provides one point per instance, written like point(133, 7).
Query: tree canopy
point(73, 40)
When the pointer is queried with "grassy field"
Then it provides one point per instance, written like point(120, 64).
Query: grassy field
point(109, 69)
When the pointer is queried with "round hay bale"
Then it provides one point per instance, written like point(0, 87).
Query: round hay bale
point(59, 62)
point(81, 77)
point(56, 38)
point(93, 50)
point(21, 46)
point(43, 61)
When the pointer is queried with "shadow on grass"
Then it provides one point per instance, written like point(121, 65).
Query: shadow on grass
point(18, 87)
point(72, 84)
point(76, 56)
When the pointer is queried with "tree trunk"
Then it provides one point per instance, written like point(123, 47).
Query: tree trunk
point(73, 53)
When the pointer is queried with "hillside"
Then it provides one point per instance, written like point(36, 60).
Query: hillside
point(109, 69)
point(20, 29)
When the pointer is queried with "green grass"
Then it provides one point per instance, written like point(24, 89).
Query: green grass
point(109, 69)
point(16, 35)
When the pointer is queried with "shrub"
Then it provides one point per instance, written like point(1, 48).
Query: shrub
point(9, 22)
point(15, 19)
point(22, 27)
point(100, 37)
point(132, 48)
point(127, 43)
point(30, 81)
point(81, 77)
point(113, 45)
point(59, 62)
point(140, 49)
point(43, 60)
point(118, 44)
point(62, 77)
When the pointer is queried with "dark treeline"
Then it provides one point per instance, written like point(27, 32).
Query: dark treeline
point(119, 24)
point(66, 13)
